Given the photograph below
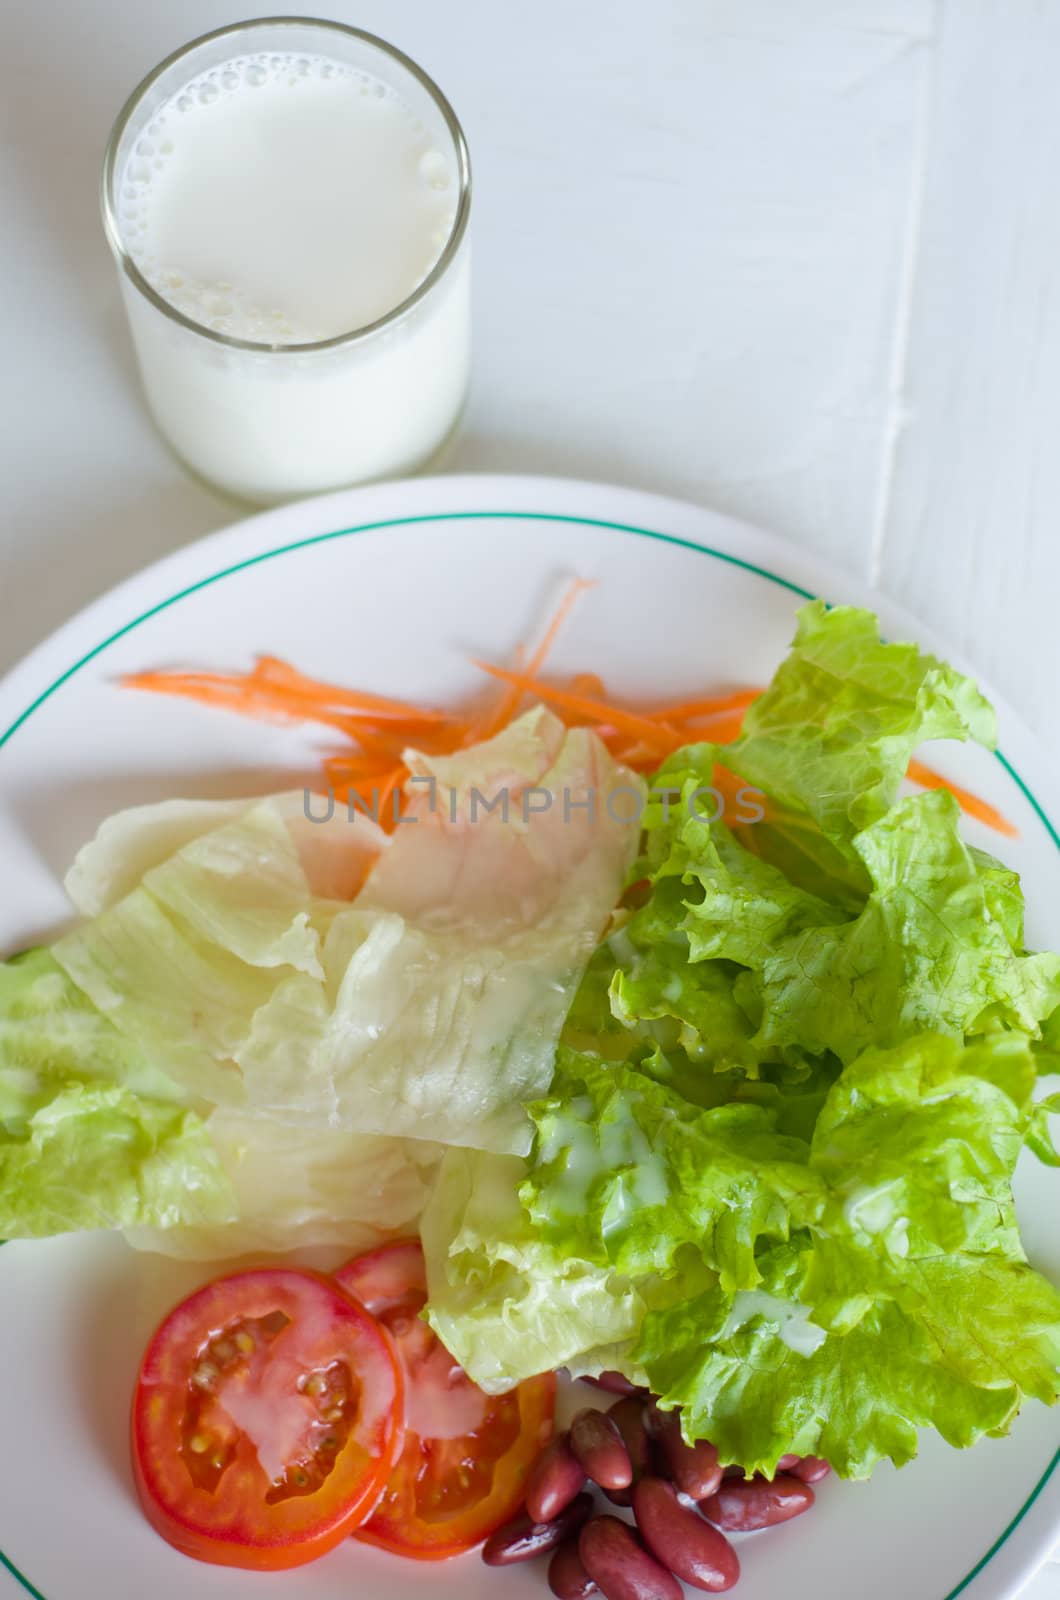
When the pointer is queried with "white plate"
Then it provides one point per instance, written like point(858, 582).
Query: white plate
point(394, 587)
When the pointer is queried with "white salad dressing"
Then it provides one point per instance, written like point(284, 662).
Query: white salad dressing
point(790, 1318)
point(438, 1405)
point(637, 1189)
point(874, 1209)
point(264, 1396)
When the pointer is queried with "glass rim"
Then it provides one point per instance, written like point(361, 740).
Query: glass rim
point(338, 341)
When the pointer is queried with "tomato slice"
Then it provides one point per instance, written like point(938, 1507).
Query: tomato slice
point(267, 1418)
point(467, 1454)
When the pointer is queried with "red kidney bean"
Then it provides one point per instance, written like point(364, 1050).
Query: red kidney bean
point(786, 1463)
point(523, 1538)
point(555, 1479)
point(811, 1469)
point(678, 1536)
point(743, 1507)
point(599, 1447)
point(628, 1417)
point(615, 1383)
point(567, 1577)
point(618, 1563)
point(693, 1467)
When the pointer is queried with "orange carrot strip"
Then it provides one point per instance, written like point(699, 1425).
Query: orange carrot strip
point(239, 696)
point(274, 703)
point(214, 690)
point(588, 683)
point(388, 811)
point(575, 588)
point(373, 790)
point(380, 726)
point(630, 750)
point(720, 729)
point(969, 803)
point(509, 702)
point(497, 714)
point(392, 737)
point(273, 670)
point(658, 734)
point(739, 700)
point(638, 758)
point(354, 769)
point(263, 694)
point(734, 790)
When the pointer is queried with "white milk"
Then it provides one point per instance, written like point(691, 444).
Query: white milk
point(286, 198)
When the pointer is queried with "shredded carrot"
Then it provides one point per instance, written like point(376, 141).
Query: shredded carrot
point(380, 740)
point(242, 695)
point(655, 733)
point(509, 702)
point(388, 813)
point(271, 670)
point(286, 694)
point(379, 728)
point(373, 794)
point(722, 728)
point(630, 753)
point(497, 715)
point(740, 797)
point(969, 803)
point(577, 587)
point(693, 710)
point(356, 769)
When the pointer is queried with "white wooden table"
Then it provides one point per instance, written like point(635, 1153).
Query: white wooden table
point(797, 259)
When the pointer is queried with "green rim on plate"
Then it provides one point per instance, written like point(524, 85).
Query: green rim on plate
point(509, 516)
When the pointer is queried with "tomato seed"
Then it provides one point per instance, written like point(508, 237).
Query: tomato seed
point(199, 1443)
point(246, 1343)
point(204, 1374)
point(316, 1384)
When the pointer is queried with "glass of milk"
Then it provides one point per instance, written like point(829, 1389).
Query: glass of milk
point(287, 202)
